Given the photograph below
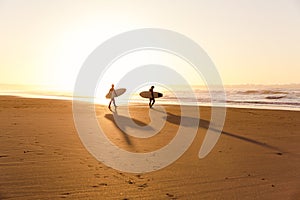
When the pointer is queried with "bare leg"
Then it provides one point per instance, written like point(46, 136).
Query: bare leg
point(153, 101)
point(109, 103)
point(113, 100)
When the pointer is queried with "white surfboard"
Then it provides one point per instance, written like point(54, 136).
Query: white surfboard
point(116, 93)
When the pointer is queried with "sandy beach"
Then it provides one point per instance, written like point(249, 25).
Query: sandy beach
point(42, 156)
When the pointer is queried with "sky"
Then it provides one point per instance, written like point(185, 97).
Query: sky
point(249, 41)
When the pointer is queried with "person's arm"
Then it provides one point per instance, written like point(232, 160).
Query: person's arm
point(152, 94)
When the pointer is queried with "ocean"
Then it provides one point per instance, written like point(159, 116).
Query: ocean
point(283, 97)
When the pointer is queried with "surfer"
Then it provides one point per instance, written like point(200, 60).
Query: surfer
point(112, 99)
point(151, 99)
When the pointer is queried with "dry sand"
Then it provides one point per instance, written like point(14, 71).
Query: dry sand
point(42, 157)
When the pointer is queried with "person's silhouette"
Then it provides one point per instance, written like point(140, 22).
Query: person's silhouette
point(112, 96)
point(151, 99)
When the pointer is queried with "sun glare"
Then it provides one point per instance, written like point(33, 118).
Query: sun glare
point(129, 62)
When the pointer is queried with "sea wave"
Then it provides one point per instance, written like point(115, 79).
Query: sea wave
point(248, 92)
point(264, 102)
point(275, 97)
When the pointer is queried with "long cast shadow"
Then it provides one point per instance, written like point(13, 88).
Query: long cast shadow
point(175, 119)
point(125, 123)
point(184, 121)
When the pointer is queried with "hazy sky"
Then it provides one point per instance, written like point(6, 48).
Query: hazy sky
point(250, 41)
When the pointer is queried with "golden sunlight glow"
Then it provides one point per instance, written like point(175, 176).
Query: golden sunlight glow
point(135, 59)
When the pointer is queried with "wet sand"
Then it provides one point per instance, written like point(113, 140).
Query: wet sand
point(42, 157)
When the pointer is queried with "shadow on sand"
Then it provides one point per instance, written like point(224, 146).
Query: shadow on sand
point(186, 121)
point(126, 122)
point(175, 119)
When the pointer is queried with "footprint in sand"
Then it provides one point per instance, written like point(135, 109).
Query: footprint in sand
point(171, 196)
point(65, 194)
point(94, 186)
point(143, 186)
point(97, 175)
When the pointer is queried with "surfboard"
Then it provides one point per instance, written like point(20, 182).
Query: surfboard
point(118, 92)
point(147, 94)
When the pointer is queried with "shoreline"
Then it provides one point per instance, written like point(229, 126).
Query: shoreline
point(62, 98)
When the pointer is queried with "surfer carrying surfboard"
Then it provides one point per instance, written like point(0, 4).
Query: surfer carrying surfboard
point(113, 94)
point(151, 95)
point(151, 99)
